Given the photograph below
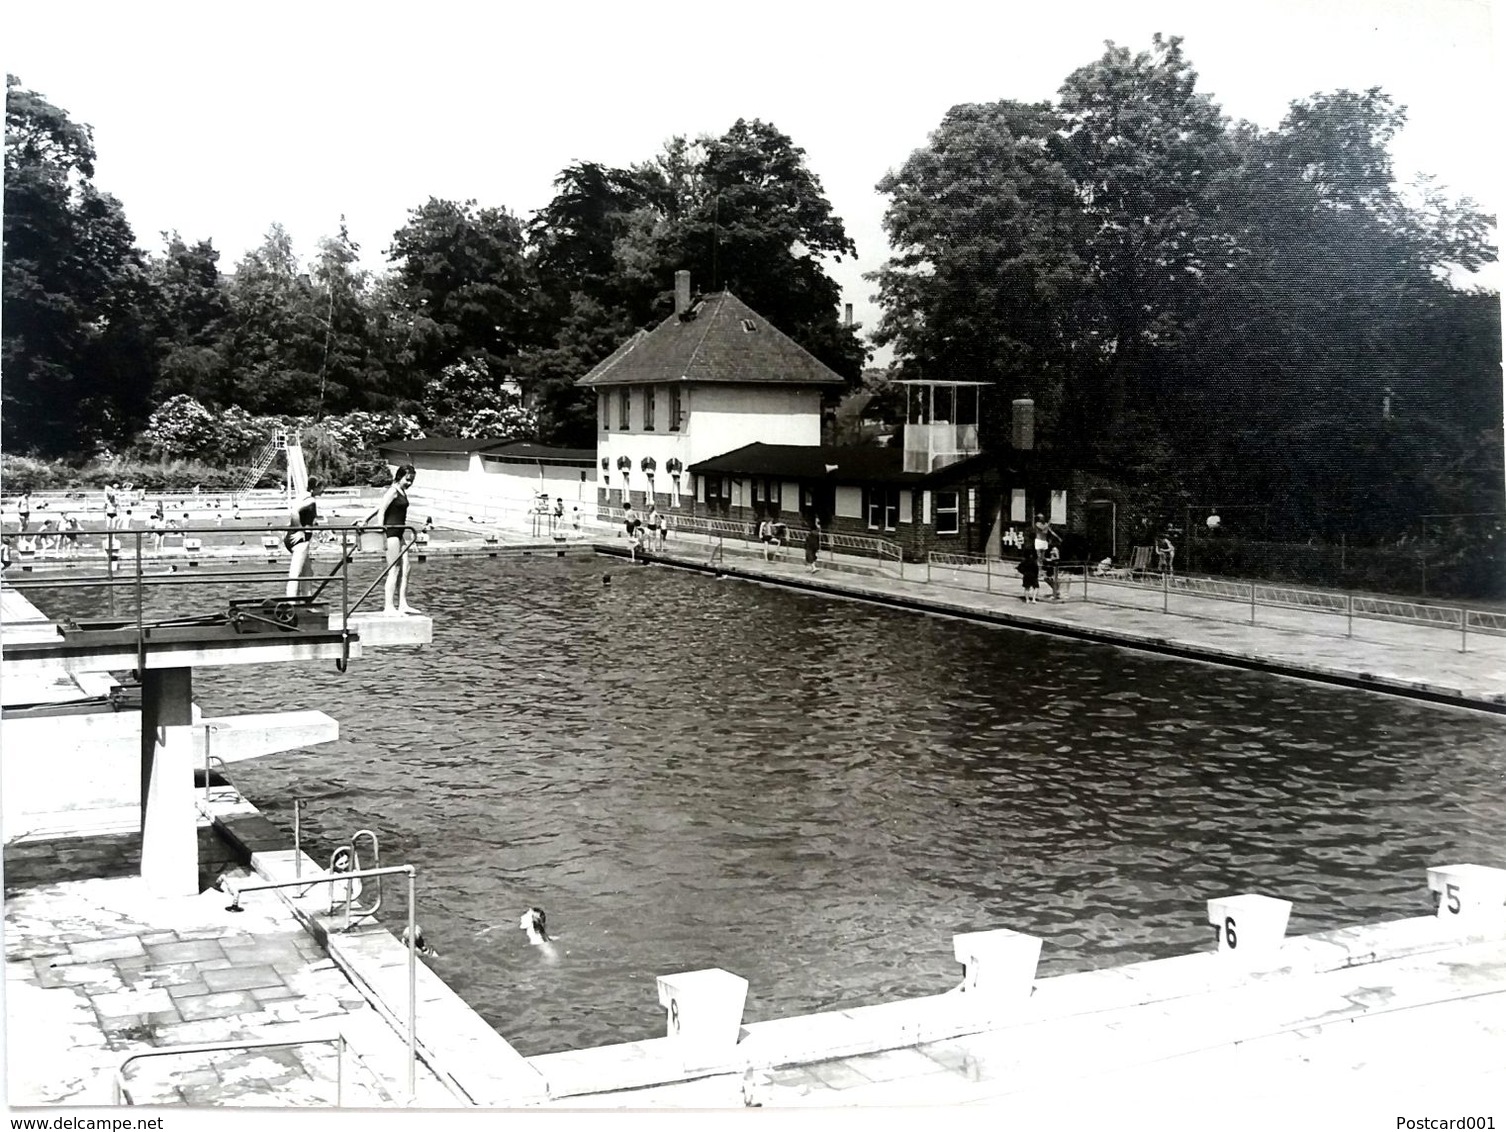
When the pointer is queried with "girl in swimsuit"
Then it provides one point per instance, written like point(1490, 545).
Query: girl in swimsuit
point(393, 508)
point(300, 537)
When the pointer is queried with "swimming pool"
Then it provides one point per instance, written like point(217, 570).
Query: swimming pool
point(816, 793)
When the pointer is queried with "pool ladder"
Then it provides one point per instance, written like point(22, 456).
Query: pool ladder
point(344, 895)
point(347, 895)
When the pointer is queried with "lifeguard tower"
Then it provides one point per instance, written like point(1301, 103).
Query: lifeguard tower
point(941, 423)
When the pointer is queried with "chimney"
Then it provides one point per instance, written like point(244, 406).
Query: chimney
point(1022, 424)
point(682, 292)
point(847, 314)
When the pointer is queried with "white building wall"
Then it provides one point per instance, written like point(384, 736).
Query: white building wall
point(442, 472)
point(717, 419)
point(726, 417)
point(518, 484)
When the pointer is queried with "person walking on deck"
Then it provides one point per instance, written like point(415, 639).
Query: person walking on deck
point(393, 509)
point(812, 545)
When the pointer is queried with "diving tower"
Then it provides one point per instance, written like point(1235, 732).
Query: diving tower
point(68, 730)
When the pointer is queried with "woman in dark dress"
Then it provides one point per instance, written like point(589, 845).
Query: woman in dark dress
point(812, 545)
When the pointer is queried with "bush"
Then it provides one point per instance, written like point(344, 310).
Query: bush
point(25, 473)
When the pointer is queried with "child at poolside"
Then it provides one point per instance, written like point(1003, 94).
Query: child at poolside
point(1030, 574)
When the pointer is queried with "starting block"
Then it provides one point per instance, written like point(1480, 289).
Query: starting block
point(998, 965)
point(1249, 924)
point(1468, 893)
point(704, 1013)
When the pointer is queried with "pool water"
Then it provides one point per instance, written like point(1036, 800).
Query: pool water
point(816, 794)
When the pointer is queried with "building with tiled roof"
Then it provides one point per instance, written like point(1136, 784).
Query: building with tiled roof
point(714, 376)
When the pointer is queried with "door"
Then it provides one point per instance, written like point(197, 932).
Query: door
point(1099, 518)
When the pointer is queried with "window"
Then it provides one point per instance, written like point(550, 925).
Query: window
point(603, 410)
point(771, 491)
point(758, 491)
point(947, 514)
point(648, 409)
point(624, 404)
point(883, 508)
point(675, 408)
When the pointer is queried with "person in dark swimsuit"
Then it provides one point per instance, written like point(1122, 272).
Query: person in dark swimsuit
point(393, 509)
point(300, 537)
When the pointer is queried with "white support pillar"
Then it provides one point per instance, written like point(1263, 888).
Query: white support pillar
point(1469, 894)
point(704, 1013)
point(1249, 925)
point(169, 822)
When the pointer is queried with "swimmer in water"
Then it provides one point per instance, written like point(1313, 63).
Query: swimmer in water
point(420, 944)
point(532, 922)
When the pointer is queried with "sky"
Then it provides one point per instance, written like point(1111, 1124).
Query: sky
point(217, 120)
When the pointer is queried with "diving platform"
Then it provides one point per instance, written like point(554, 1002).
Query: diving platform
point(77, 740)
point(117, 647)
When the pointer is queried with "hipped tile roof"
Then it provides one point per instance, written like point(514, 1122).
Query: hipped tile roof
point(719, 339)
point(866, 464)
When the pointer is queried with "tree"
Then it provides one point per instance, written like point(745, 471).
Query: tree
point(77, 369)
point(466, 401)
point(985, 271)
point(753, 219)
point(1142, 148)
point(353, 363)
point(189, 317)
point(461, 277)
point(272, 343)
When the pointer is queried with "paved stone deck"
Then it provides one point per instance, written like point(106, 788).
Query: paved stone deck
point(97, 970)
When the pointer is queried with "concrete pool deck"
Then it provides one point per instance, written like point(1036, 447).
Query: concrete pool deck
point(1390, 657)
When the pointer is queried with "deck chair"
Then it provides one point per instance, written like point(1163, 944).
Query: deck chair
point(1139, 564)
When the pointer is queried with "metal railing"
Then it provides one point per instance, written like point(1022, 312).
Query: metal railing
point(122, 1094)
point(982, 573)
point(722, 531)
point(1255, 596)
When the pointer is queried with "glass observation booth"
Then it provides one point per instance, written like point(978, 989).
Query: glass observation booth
point(941, 422)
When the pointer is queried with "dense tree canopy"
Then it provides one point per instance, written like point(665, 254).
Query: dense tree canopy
point(1225, 310)
point(77, 349)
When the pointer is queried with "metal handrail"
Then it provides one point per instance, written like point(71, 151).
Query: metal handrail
point(236, 891)
point(122, 1096)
